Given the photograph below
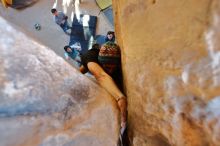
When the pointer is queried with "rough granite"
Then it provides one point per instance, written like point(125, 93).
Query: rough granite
point(171, 67)
point(46, 102)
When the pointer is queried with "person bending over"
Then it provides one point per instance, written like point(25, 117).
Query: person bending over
point(102, 62)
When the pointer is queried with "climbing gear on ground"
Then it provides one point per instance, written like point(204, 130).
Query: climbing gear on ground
point(37, 26)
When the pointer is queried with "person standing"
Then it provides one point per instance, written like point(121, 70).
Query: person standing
point(61, 19)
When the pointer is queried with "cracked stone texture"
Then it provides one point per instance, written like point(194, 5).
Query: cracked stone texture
point(171, 66)
point(46, 102)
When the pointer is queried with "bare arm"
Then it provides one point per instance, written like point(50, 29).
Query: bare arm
point(108, 83)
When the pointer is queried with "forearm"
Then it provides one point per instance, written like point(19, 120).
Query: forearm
point(108, 83)
point(122, 103)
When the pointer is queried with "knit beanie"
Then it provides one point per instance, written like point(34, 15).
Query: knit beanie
point(109, 57)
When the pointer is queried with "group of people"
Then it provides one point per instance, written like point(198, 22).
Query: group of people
point(102, 61)
point(73, 51)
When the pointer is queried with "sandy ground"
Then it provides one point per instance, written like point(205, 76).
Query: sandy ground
point(51, 35)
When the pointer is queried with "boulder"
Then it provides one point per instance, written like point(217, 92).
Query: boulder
point(47, 102)
point(171, 66)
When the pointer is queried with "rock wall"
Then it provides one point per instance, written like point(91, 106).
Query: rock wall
point(171, 66)
point(46, 102)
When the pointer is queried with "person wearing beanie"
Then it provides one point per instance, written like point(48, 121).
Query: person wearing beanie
point(102, 63)
point(110, 57)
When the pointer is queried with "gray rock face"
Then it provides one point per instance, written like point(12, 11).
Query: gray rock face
point(46, 102)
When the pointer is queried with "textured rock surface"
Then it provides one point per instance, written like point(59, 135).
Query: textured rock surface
point(171, 64)
point(46, 102)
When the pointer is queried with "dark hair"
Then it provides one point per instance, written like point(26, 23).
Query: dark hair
point(111, 32)
point(96, 46)
point(53, 10)
point(65, 48)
